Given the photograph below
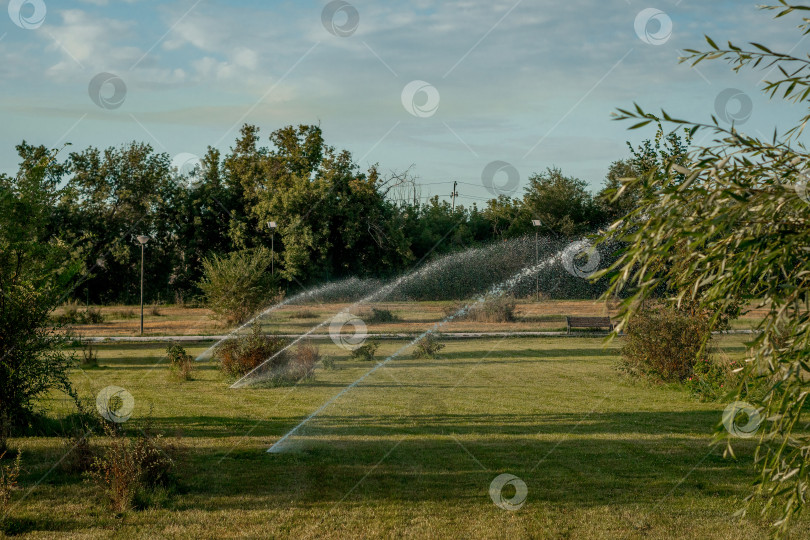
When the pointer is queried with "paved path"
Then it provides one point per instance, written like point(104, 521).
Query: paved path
point(449, 335)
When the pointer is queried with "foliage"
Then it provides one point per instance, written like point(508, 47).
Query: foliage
point(428, 346)
point(494, 309)
point(89, 356)
point(379, 316)
point(181, 363)
point(737, 212)
point(129, 468)
point(711, 379)
point(366, 351)
point(71, 314)
point(9, 474)
point(329, 363)
point(237, 285)
point(240, 355)
point(35, 269)
point(664, 343)
point(302, 363)
point(563, 204)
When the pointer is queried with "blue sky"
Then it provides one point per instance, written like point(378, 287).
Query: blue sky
point(531, 83)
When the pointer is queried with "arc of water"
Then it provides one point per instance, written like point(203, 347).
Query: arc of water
point(296, 298)
point(385, 289)
point(499, 288)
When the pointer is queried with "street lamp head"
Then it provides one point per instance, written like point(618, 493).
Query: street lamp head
point(272, 224)
point(536, 222)
point(143, 239)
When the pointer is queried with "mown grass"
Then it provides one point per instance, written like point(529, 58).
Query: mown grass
point(411, 451)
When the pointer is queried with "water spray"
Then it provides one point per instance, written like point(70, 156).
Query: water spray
point(498, 289)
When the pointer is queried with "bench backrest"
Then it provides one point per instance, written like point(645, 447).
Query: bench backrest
point(589, 322)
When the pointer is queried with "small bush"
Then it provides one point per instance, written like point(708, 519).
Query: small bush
point(89, 356)
point(124, 314)
point(379, 316)
point(663, 343)
point(181, 363)
point(329, 363)
point(366, 351)
point(302, 364)
point(72, 315)
point(91, 316)
point(8, 480)
point(154, 310)
point(128, 469)
point(79, 453)
point(712, 379)
point(241, 355)
point(303, 314)
point(238, 284)
point(427, 347)
point(494, 309)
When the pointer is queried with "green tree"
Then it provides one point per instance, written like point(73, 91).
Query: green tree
point(737, 210)
point(238, 284)
point(562, 203)
point(35, 270)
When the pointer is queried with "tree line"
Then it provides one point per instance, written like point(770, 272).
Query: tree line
point(333, 219)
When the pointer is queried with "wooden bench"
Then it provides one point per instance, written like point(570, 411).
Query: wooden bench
point(588, 322)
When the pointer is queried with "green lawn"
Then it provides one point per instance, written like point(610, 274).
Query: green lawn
point(411, 451)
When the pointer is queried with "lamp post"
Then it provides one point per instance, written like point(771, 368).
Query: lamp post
point(537, 223)
point(142, 240)
point(272, 226)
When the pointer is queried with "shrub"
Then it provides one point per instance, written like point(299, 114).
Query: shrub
point(241, 355)
point(380, 316)
point(125, 314)
point(8, 479)
point(236, 285)
point(301, 365)
point(664, 343)
point(303, 314)
point(72, 315)
point(427, 347)
point(181, 363)
point(79, 453)
point(711, 379)
point(494, 309)
point(32, 360)
point(366, 351)
point(129, 469)
point(91, 315)
point(329, 363)
point(154, 310)
point(89, 356)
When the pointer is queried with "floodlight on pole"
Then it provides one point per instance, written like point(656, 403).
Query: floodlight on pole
point(537, 224)
point(142, 240)
point(272, 226)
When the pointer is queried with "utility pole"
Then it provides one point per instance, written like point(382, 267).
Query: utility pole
point(454, 195)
